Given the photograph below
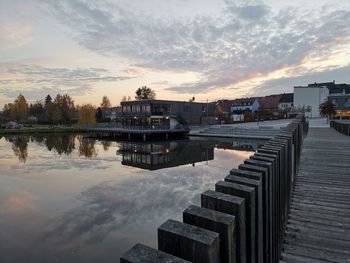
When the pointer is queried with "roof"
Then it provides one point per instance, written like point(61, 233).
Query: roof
point(160, 101)
point(287, 98)
point(243, 101)
point(269, 102)
point(223, 105)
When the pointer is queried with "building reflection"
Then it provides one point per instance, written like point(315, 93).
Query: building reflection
point(239, 144)
point(159, 155)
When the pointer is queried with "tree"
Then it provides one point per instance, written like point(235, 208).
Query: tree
point(48, 100)
point(327, 109)
point(248, 116)
point(99, 115)
point(105, 104)
point(145, 93)
point(65, 105)
point(87, 114)
point(37, 110)
point(8, 111)
point(20, 108)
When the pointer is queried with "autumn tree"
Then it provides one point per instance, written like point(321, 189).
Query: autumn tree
point(327, 109)
point(20, 108)
point(8, 111)
point(145, 93)
point(126, 98)
point(37, 110)
point(105, 104)
point(87, 114)
point(48, 100)
point(65, 106)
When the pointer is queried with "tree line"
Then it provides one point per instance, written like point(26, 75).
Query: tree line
point(62, 110)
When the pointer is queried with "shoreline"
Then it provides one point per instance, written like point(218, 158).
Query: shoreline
point(39, 130)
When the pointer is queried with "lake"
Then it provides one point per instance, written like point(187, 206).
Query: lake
point(65, 198)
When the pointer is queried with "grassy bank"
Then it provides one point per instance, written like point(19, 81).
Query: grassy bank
point(41, 129)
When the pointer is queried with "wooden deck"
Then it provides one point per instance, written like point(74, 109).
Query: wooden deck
point(318, 228)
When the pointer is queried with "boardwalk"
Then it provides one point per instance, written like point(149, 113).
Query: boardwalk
point(319, 222)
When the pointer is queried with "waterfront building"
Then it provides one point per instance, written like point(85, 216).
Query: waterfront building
point(166, 113)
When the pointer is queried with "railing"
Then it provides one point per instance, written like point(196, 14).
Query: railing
point(133, 127)
point(341, 126)
point(140, 114)
point(244, 219)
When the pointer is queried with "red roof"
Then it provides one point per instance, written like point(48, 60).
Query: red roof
point(243, 101)
point(269, 102)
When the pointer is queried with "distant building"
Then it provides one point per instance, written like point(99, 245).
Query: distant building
point(240, 106)
point(339, 95)
point(286, 101)
point(270, 102)
point(309, 98)
point(166, 113)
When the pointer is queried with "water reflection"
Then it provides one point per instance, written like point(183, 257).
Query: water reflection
point(63, 144)
point(158, 155)
point(60, 207)
point(19, 146)
point(87, 147)
point(144, 155)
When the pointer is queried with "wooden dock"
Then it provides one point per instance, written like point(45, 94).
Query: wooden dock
point(318, 228)
point(134, 132)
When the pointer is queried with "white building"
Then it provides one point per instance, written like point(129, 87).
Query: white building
point(240, 106)
point(286, 101)
point(310, 97)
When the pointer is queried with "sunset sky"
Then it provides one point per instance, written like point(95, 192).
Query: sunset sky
point(180, 48)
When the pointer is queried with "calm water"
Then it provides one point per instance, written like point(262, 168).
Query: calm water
point(68, 199)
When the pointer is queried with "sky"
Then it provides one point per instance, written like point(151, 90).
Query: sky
point(205, 49)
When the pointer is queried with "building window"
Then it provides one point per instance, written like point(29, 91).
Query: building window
point(204, 109)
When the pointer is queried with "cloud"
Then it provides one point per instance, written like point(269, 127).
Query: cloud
point(14, 35)
point(246, 40)
point(34, 81)
point(276, 85)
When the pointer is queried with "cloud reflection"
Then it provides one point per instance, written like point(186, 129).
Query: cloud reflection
point(139, 200)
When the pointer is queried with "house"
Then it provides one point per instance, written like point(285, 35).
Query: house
point(286, 101)
point(223, 110)
point(166, 113)
point(240, 106)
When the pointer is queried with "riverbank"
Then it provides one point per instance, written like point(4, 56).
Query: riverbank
point(41, 129)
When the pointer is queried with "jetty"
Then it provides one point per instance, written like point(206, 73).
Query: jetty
point(289, 202)
point(135, 132)
point(318, 227)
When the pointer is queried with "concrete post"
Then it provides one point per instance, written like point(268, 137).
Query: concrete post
point(266, 205)
point(230, 205)
point(143, 254)
point(248, 193)
point(189, 242)
point(257, 185)
point(221, 223)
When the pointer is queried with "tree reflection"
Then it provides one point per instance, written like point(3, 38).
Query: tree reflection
point(63, 144)
point(20, 147)
point(106, 145)
point(87, 147)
